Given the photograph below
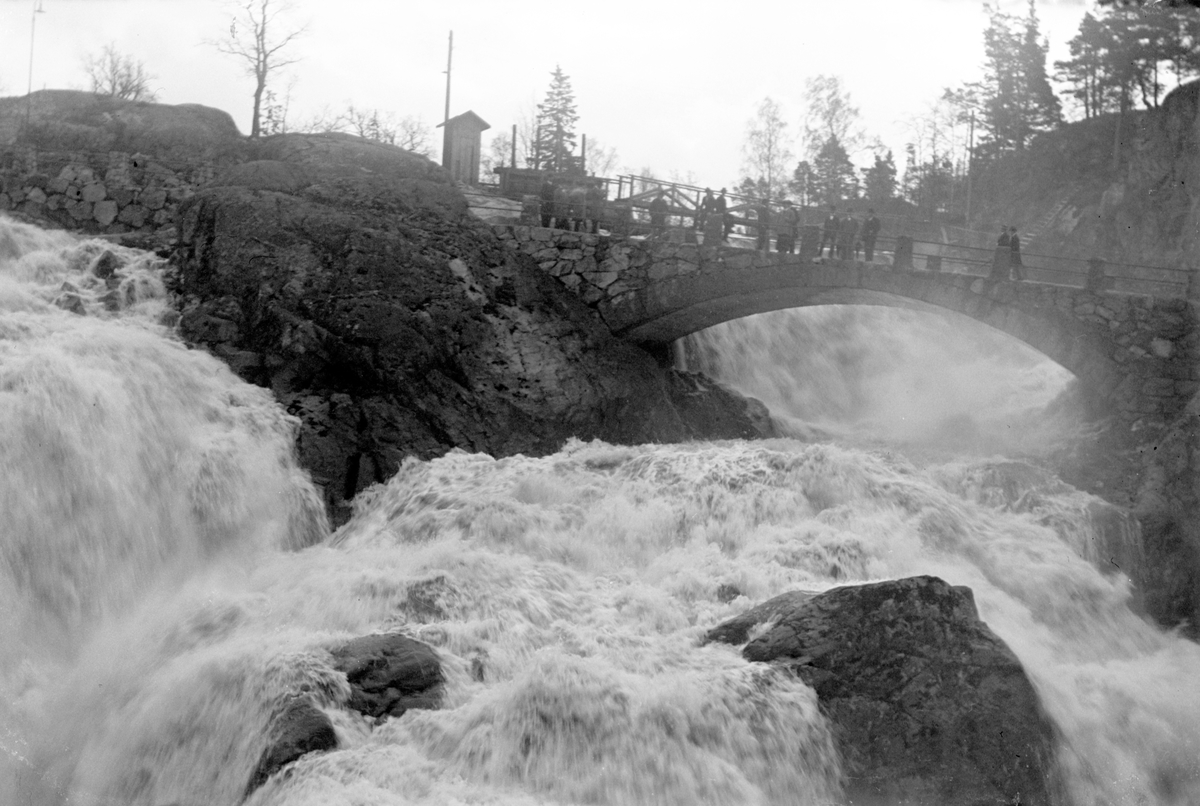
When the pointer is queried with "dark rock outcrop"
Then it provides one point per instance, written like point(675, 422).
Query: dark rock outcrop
point(349, 278)
point(927, 704)
point(70, 120)
point(299, 729)
point(389, 674)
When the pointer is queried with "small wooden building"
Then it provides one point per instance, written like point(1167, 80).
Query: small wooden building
point(460, 146)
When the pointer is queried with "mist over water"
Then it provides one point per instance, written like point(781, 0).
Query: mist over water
point(868, 374)
point(168, 586)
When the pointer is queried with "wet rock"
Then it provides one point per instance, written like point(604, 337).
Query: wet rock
point(928, 705)
point(394, 324)
point(301, 728)
point(106, 264)
point(389, 674)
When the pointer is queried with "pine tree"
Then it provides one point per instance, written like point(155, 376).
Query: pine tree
point(1017, 98)
point(834, 173)
point(804, 182)
point(879, 181)
point(554, 144)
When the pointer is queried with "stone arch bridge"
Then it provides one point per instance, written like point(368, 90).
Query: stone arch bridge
point(1135, 356)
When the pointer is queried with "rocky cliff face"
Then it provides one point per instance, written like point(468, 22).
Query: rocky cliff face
point(349, 277)
point(1121, 189)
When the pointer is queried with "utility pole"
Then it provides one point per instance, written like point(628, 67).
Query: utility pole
point(449, 58)
point(970, 164)
point(37, 9)
point(446, 117)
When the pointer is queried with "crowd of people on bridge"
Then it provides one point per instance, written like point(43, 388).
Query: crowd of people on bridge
point(1007, 265)
point(847, 237)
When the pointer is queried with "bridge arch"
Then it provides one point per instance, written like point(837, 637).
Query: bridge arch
point(1133, 355)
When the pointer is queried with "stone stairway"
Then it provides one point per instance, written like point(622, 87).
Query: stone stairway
point(1043, 224)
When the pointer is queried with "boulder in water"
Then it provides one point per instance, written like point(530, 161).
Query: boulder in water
point(301, 728)
point(389, 674)
point(928, 705)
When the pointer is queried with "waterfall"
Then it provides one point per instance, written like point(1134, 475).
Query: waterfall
point(168, 585)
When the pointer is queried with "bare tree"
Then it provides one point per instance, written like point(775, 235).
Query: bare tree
point(602, 160)
point(413, 134)
point(254, 37)
point(118, 75)
point(829, 114)
point(767, 152)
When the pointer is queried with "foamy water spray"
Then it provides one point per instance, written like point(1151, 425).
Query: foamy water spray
point(130, 462)
point(565, 594)
point(890, 374)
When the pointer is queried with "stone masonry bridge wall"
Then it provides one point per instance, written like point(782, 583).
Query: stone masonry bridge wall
point(1135, 356)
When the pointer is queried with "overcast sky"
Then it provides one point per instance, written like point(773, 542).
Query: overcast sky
point(669, 84)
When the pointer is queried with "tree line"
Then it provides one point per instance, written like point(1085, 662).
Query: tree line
point(1125, 54)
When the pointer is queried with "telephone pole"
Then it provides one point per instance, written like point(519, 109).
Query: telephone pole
point(449, 58)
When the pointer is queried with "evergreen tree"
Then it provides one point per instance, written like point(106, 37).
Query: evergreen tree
point(1016, 97)
point(879, 181)
point(834, 173)
point(554, 143)
point(804, 183)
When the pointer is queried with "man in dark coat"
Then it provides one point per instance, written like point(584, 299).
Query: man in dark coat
point(546, 196)
point(721, 207)
point(789, 226)
point(707, 205)
point(1014, 250)
point(1003, 257)
point(658, 214)
point(829, 232)
point(870, 232)
point(763, 229)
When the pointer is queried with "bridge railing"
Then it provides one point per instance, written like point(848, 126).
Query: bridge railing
point(1120, 278)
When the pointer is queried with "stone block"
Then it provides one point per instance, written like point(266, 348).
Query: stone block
point(56, 202)
point(32, 209)
point(153, 199)
point(93, 192)
point(57, 185)
point(1161, 348)
point(73, 192)
point(36, 195)
point(571, 254)
point(84, 175)
point(162, 217)
point(602, 279)
point(122, 196)
point(541, 234)
point(105, 212)
point(80, 210)
point(134, 215)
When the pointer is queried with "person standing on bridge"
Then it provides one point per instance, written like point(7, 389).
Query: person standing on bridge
point(870, 232)
point(546, 195)
point(847, 234)
point(785, 235)
point(762, 213)
point(722, 208)
point(707, 205)
point(1014, 249)
point(1002, 260)
point(658, 215)
point(829, 232)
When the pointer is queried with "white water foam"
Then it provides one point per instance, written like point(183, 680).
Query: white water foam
point(158, 613)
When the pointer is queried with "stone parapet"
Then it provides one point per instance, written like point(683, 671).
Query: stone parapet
point(1135, 355)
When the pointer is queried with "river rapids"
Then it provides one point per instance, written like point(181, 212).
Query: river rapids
point(167, 578)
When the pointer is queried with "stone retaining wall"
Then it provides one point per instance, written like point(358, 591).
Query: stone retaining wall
point(109, 193)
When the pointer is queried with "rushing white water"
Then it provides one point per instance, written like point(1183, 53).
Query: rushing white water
point(163, 593)
point(921, 379)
